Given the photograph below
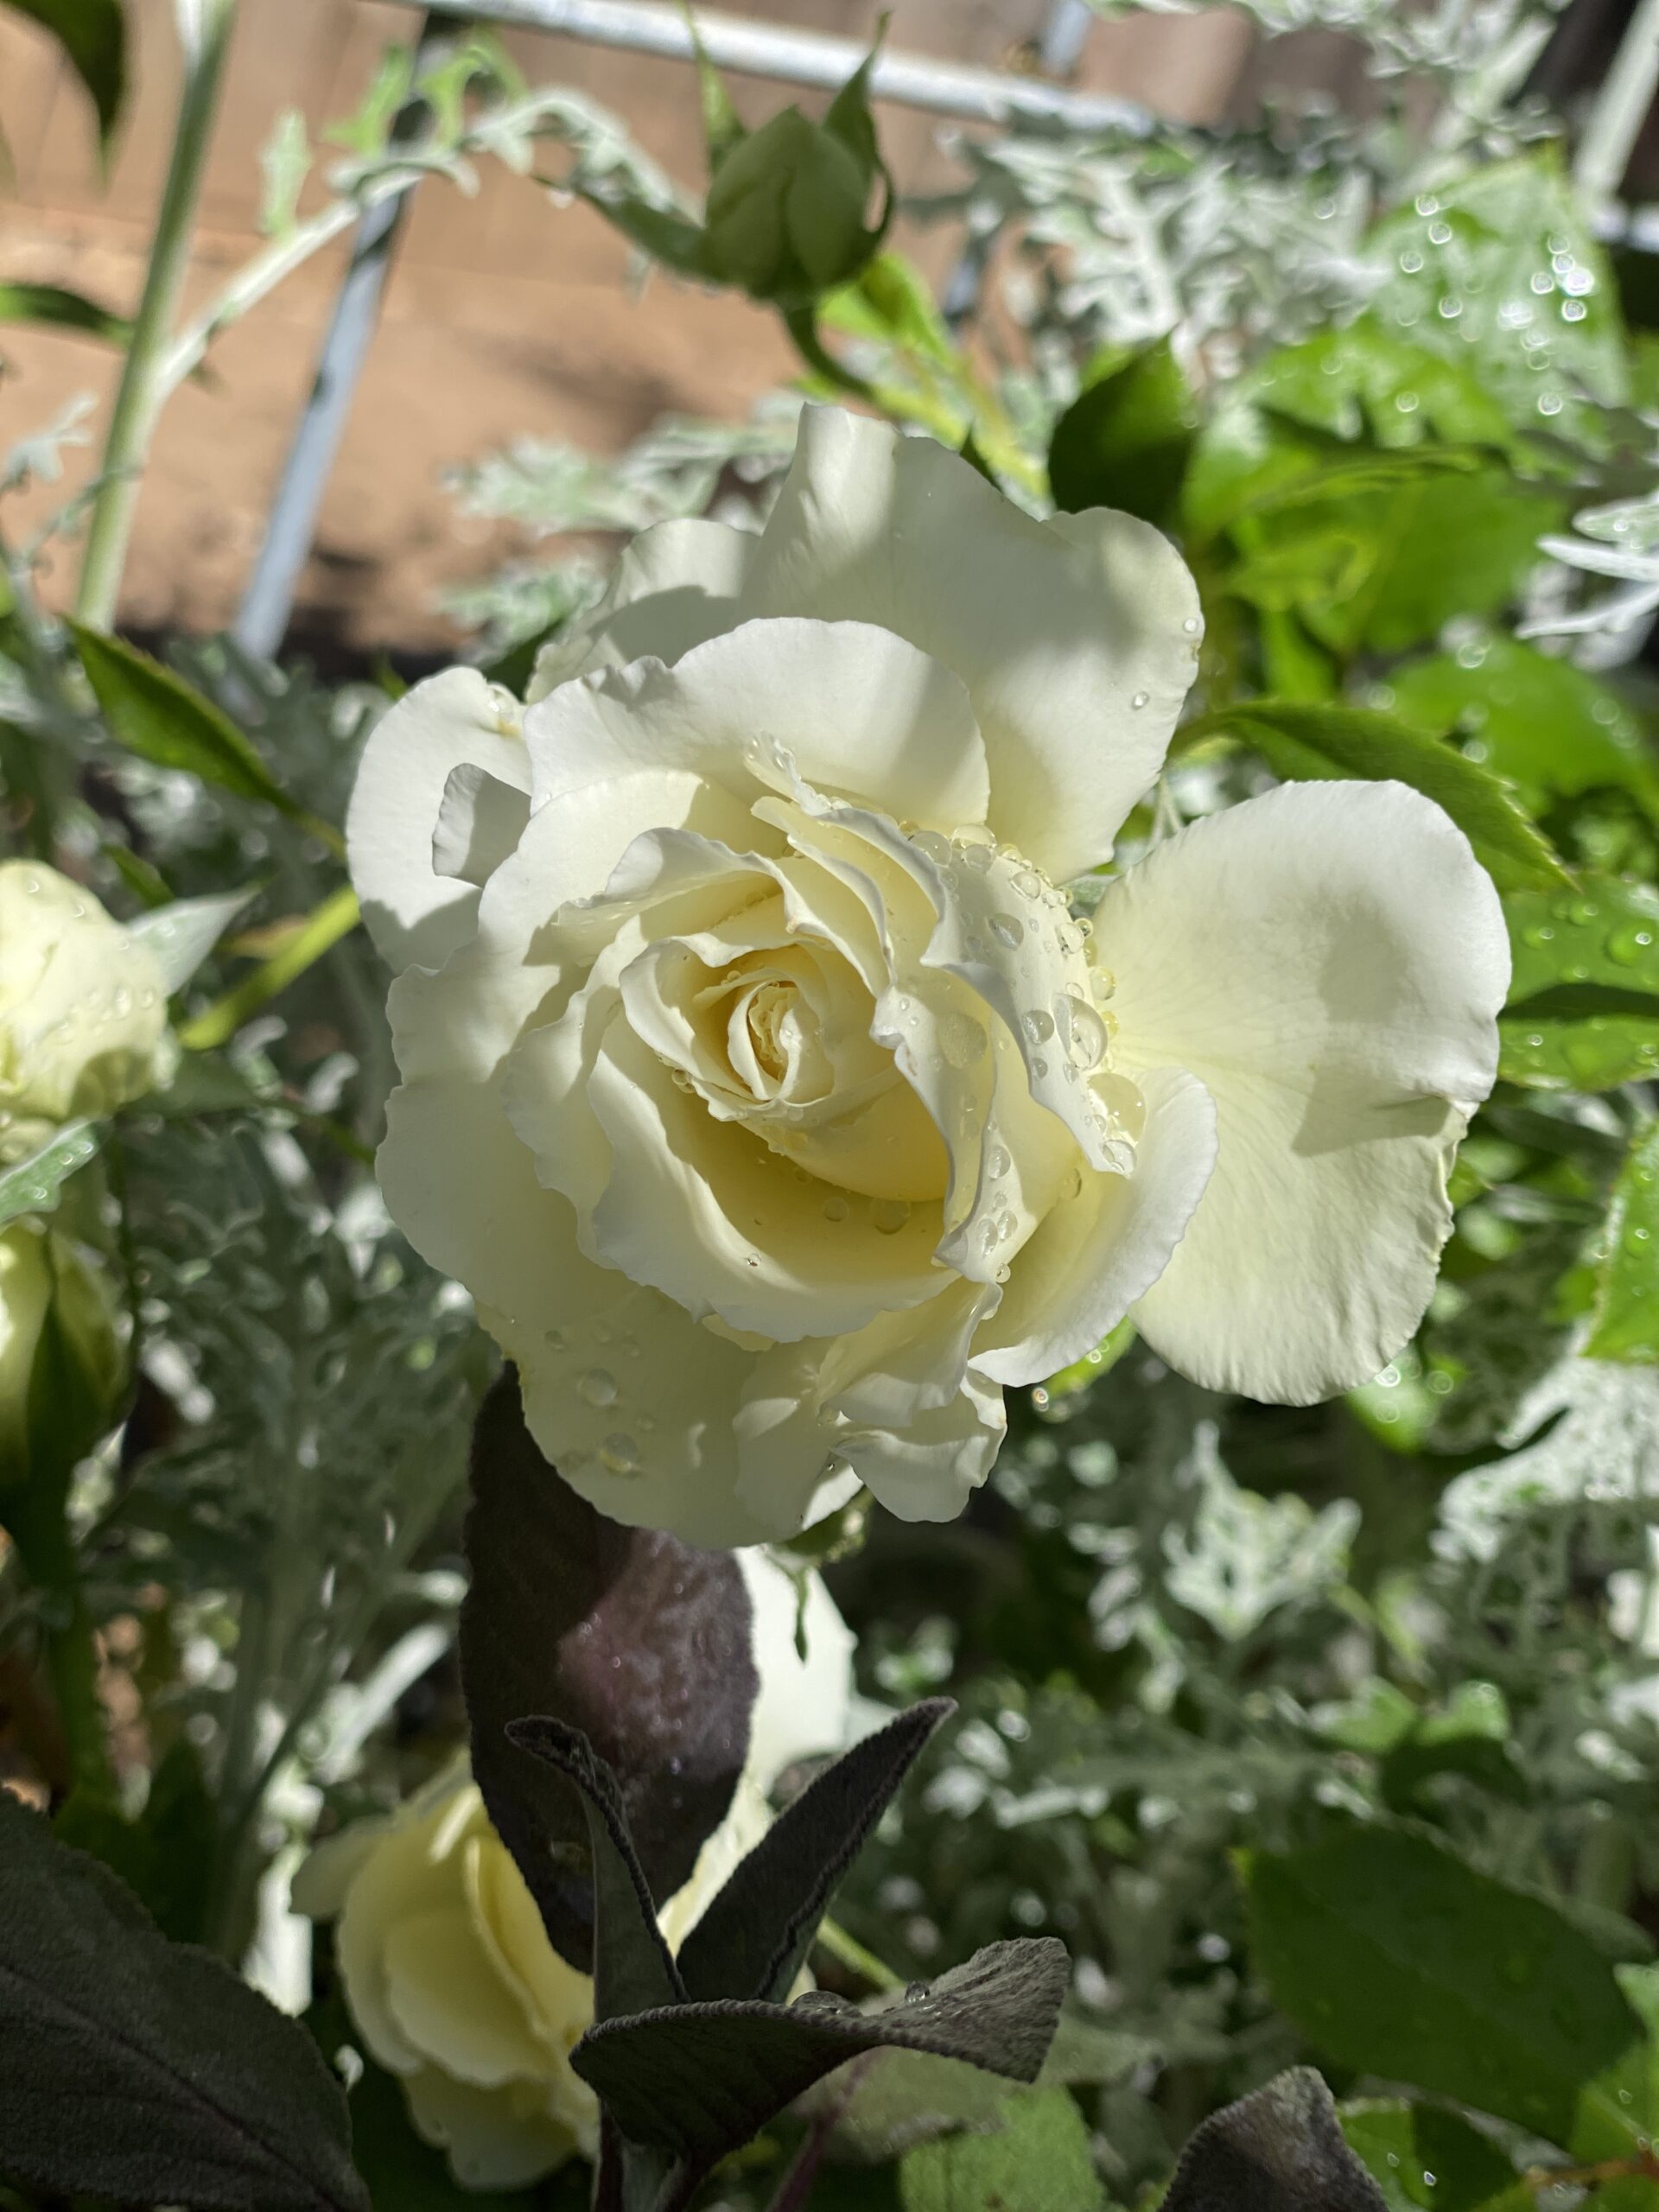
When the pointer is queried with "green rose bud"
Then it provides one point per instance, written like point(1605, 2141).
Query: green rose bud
point(784, 218)
point(61, 1358)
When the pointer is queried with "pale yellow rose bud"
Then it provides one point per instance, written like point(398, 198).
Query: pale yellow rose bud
point(83, 1007)
point(446, 1970)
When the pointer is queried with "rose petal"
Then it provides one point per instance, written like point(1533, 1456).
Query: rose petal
point(675, 585)
point(856, 707)
point(1075, 637)
point(1094, 1255)
point(1329, 961)
point(413, 913)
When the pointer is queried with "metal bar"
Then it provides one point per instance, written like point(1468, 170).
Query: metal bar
point(752, 48)
point(268, 601)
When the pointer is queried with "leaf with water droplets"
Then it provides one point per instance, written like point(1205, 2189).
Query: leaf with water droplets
point(1627, 1288)
point(35, 1185)
point(1395, 1957)
point(1584, 999)
point(1424, 2159)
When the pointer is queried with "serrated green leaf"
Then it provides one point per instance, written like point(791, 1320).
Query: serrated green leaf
point(1627, 1278)
point(156, 715)
point(1497, 271)
point(142, 2071)
point(1125, 440)
point(1583, 999)
point(93, 34)
point(35, 1185)
point(56, 308)
point(1300, 740)
point(1395, 1957)
point(1554, 731)
point(1038, 2161)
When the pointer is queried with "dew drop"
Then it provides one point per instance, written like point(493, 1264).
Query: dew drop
point(1007, 929)
point(1039, 1067)
point(1103, 984)
point(835, 1208)
point(619, 1454)
point(597, 1387)
point(1028, 883)
point(889, 1215)
point(1627, 945)
point(1140, 699)
point(961, 1039)
point(979, 858)
point(997, 1161)
point(935, 847)
point(555, 1340)
point(1082, 1032)
point(1038, 1024)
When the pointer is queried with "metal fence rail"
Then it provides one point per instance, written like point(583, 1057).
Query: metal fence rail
point(809, 59)
point(813, 59)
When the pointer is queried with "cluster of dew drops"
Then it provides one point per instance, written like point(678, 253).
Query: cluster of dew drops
point(1526, 315)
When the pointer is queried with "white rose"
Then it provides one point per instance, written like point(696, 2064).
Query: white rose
point(760, 1086)
point(445, 1968)
point(83, 1007)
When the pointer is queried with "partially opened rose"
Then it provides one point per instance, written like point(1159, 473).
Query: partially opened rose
point(446, 1967)
point(758, 1079)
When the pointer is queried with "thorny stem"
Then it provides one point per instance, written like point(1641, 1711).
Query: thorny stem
point(140, 395)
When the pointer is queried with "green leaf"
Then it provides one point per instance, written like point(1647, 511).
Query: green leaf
point(1279, 2149)
point(697, 2080)
point(1627, 1278)
point(156, 715)
point(93, 34)
point(1468, 1737)
point(1498, 272)
point(1394, 1957)
point(180, 936)
point(1358, 399)
point(144, 2071)
point(58, 309)
point(1384, 568)
point(1302, 742)
point(723, 126)
point(557, 1593)
point(898, 2099)
point(1583, 999)
point(1424, 2159)
point(1124, 442)
point(890, 303)
point(1554, 731)
point(1038, 2161)
point(35, 1185)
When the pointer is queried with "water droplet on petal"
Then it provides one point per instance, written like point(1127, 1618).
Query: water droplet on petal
point(619, 1454)
point(889, 1215)
point(1038, 1024)
point(597, 1387)
point(961, 1039)
point(835, 1208)
point(1007, 929)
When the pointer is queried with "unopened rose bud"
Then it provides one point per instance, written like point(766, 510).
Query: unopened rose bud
point(61, 1358)
point(785, 211)
point(83, 1007)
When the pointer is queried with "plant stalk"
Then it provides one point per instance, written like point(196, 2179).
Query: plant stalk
point(142, 391)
